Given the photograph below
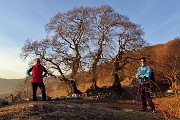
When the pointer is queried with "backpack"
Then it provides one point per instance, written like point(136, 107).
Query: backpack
point(152, 74)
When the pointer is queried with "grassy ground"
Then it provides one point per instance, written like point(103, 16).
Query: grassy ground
point(90, 109)
point(77, 109)
point(126, 108)
point(169, 104)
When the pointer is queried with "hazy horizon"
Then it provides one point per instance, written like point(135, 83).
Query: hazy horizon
point(7, 85)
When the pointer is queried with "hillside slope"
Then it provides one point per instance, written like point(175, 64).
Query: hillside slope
point(155, 55)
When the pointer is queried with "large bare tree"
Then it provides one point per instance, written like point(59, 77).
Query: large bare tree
point(129, 38)
point(116, 36)
point(103, 24)
point(81, 39)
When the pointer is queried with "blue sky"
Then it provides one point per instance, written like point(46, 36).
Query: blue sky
point(26, 19)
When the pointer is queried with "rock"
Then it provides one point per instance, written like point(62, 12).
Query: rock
point(170, 91)
point(3, 102)
point(39, 98)
point(76, 96)
point(58, 98)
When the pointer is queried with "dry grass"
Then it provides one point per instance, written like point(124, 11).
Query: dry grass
point(86, 109)
point(76, 109)
point(169, 104)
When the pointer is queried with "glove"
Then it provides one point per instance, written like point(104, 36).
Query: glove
point(141, 76)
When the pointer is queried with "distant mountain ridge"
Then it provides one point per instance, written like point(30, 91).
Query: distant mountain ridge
point(7, 85)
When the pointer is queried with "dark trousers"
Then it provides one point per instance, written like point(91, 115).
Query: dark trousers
point(43, 90)
point(145, 96)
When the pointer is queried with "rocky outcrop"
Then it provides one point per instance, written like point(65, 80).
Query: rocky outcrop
point(3, 102)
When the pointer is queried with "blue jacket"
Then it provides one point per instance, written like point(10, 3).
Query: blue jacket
point(146, 71)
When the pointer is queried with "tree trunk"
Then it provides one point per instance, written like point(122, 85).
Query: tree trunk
point(174, 85)
point(93, 90)
point(117, 85)
point(73, 87)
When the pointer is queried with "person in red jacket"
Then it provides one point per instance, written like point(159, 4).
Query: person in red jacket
point(38, 73)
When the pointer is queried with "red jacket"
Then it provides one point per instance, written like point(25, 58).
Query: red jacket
point(37, 73)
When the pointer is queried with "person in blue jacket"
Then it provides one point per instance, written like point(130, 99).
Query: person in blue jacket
point(143, 76)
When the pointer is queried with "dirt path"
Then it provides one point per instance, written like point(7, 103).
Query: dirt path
point(77, 109)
